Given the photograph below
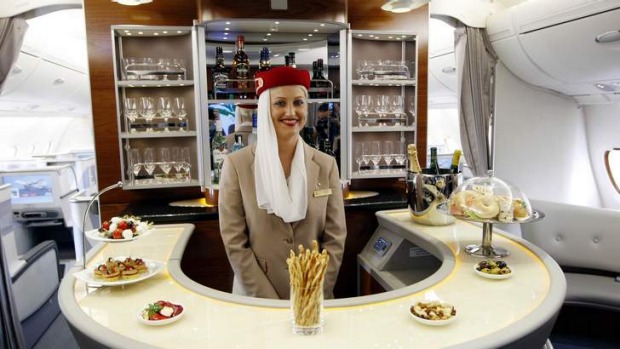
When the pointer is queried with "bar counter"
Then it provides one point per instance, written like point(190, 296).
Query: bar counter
point(516, 312)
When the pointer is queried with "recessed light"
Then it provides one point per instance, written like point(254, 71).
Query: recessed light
point(305, 39)
point(126, 31)
point(268, 34)
point(309, 34)
point(316, 30)
point(390, 37)
point(226, 29)
point(156, 34)
point(322, 24)
point(265, 39)
point(227, 23)
point(276, 22)
point(360, 35)
point(129, 34)
point(165, 32)
point(140, 33)
point(179, 32)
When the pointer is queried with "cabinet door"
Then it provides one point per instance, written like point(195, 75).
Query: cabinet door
point(158, 123)
point(383, 101)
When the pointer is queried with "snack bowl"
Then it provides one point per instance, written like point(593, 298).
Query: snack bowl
point(497, 276)
point(432, 322)
point(160, 321)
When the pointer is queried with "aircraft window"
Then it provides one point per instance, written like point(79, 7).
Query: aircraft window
point(612, 163)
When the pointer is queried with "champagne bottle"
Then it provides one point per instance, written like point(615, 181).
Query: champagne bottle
point(219, 149)
point(456, 158)
point(414, 164)
point(434, 168)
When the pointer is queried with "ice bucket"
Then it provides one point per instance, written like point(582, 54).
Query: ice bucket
point(426, 191)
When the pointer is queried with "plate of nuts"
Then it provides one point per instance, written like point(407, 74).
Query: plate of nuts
point(490, 269)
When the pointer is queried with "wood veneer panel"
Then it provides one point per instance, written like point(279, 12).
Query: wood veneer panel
point(99, 16)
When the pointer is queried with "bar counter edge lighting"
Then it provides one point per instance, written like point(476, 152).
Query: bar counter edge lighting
point(516, 312)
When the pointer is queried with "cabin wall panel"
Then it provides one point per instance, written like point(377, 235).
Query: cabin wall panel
point(603, 128)
point(541, 145)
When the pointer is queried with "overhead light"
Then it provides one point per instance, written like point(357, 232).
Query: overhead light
point(402, 6)
point(132, 2)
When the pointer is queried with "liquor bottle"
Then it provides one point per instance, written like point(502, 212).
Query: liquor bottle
point(265, 63)
point(238, 144)
point(241, 67)
point(291, 57)
point(220, 72)
point(323, 82)
point(327, 148)
point(219, 149)
point(287, 61)
point(456, 158)
point(314, 82)
point(434, 168)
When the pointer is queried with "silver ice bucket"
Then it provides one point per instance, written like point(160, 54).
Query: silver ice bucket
point(426, 191)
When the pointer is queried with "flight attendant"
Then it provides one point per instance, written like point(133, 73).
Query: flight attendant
point(279, 193)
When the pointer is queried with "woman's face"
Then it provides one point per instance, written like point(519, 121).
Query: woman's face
point(289, 110)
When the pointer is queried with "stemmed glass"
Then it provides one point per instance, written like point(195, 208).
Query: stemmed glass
point(187, 165)
point(388, 152)
point(135, 164)
point(359, 156)
point(382, 105)
point(180, 66)
point(147, 110)
point(164, 107)
point(178, 109)
point(397, 108)
point(149, 161)
point(131, 111)
point(164, 161)
point(411, 108)
point(177, 162)
point(375, 154)
point(366, 153)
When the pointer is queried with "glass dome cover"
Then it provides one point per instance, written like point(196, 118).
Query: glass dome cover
point(489, 199)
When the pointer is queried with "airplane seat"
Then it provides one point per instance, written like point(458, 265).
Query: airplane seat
point(585, 242)
point(35, 290)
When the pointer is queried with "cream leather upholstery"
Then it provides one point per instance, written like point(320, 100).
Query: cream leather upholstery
point(585, 242)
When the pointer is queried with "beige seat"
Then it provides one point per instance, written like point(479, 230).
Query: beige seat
point(585, 242)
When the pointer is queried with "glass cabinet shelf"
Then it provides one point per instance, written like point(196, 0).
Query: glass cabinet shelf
point(382, 173)
point(404, 82)
point(147, 184)
point(155, 83)
point(170, 134)
point(383, 128)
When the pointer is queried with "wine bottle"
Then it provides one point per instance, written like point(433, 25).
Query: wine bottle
point(219, 149)
point(220, 72)
point(456, 158)
point(434, 168)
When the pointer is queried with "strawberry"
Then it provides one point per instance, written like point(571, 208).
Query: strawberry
point(118, 234)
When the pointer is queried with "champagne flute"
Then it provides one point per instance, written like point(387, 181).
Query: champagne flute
point(149, 161)
point(359, 156)
point(388, 152)
point(135, 163)
point(164, 108)
point(147, 110)
point(187, 165)
point(177, 162)
point(164, 161)
point(178, 109)
point(375, 154)
point(131, 111)
point(366, 153)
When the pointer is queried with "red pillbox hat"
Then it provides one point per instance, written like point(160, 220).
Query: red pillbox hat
point(281, 76)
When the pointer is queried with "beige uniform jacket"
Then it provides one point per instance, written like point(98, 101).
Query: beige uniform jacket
point(258, 243)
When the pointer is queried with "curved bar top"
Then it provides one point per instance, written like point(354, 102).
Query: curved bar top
point(491, 313)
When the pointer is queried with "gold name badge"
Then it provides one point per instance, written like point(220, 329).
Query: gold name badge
point(322, 192)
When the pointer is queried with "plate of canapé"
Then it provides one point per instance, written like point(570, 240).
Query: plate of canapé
point(493, 269)
point(433, 313)
point(118, 271)
point(161, 313)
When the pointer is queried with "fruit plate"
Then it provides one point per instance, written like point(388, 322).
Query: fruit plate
point(95, 235)
point(87, 276)
point(429, 322)
point(160, 322)
point(493, 276)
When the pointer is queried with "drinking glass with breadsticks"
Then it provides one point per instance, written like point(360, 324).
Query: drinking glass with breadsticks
point(307, 272)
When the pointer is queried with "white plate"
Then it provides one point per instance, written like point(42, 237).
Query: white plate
point(95, 235)
point(433, 322)
point(494, 276)
point(161, 322)
point(87, 276)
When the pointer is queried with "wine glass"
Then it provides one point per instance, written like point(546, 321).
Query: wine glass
point(131, 109)
point(397, 108)
point(388, 152)
point(177, 162)
point(165, 163)
point(187, 165)
point(382, 104)
point(411, 108)
point(359, 156)
point(135, 164)
point(164, 108)
point(147, 110)
point(375, 154)
point(366, 152)
point(149, 161)
point(180, 68)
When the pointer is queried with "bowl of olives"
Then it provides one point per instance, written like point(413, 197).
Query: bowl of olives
point(491, 269)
